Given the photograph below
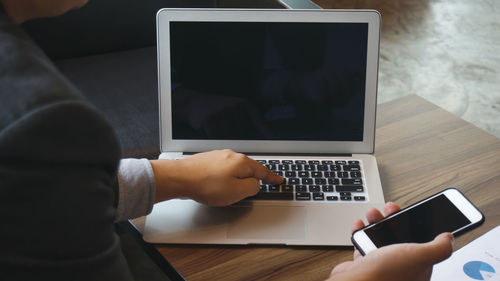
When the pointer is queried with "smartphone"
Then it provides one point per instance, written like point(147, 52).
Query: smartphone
point(446, 211)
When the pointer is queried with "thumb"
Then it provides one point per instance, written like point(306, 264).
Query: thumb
point(438, 249)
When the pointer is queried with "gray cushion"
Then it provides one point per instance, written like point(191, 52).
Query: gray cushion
point(103, 26)
point(123, 85)
point(106, 50)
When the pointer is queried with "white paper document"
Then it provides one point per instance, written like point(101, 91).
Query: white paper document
point(478, 260)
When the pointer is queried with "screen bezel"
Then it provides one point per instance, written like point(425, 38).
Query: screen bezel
point(365, 245)
point(168, 144)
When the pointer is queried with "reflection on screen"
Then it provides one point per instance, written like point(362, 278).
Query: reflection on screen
point(420, 224)
point(268, 81)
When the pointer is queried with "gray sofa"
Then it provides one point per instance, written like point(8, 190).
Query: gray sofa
point(107, 49)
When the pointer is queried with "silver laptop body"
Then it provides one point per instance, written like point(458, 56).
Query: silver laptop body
point(294, 89)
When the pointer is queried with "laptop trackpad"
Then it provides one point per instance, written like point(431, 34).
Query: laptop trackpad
point(268, 222)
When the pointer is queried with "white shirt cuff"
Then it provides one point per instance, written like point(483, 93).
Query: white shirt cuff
point(136, 188)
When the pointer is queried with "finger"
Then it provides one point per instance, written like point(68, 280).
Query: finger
point(437, 250)
point(343, 267)
point(356, 254)
point(259, 171)
point(357, 224)
point(373, 215)
point(390, 208)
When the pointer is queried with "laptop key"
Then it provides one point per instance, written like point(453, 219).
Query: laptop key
point(345, 198)
point(303, 196)
point(296, 167)
point(309, 168)
point(329, 174)
point(332, 198)
point(342, 174)
point(326, 162)
point(300, 162)
point(319, 181)
point(355, 174)
point(318, 196)
point(359, 198)
point(317, 174)
point(262, 161)
point(290, 174)
point(274, 188)
point(333, 181)
point(274, 161)
point(313, 162)
point(322, 168)
point(283, 167)
point(303, 174)
point(301, 188)
point(340, 162)
point(352, 181)
point(355, 168)
point(287, 161)
point(271, 166)
point(307, 181)
point(349, 188)
point(328, 188)
point(293, 181)
point(351, 162)
point(287, 188)
point(335, 168)
point(314, 188)
point(345, 194)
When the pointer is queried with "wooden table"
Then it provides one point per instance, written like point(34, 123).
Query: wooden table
point(420, 149)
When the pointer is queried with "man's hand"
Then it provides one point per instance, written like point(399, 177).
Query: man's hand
point(215, 178)
point(409, 262)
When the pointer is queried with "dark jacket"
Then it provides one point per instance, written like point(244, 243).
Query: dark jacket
point(58, 164)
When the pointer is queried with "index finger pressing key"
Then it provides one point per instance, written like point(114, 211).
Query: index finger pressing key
point(262, 172)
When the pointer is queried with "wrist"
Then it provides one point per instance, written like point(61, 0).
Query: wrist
point(168, 181)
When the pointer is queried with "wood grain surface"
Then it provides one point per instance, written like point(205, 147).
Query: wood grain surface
point(420, 148)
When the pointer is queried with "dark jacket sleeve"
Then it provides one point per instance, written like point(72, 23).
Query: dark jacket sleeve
point(58, 164)
point(57, 169)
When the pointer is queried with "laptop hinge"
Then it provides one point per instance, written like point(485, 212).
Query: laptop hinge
point(171, 155)
point(301, 154)
point(282, 154)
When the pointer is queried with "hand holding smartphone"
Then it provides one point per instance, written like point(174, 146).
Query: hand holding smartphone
point(446, 211)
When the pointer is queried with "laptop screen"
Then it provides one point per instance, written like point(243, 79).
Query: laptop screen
point(268, 80)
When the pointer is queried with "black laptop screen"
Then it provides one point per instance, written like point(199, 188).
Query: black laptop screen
point(268, 81)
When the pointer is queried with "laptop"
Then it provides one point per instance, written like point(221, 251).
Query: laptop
point(293, 89)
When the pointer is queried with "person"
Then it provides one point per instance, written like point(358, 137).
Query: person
point(396, 262)
point(63, 185)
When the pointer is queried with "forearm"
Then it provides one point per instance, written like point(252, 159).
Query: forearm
point(142, 183)
point(215, 178)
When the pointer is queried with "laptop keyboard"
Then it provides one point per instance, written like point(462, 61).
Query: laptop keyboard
point(314, 180)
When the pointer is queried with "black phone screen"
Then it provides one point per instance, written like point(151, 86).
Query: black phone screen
point(419, 224)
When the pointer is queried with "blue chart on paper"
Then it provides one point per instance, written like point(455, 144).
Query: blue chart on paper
point(479, 270)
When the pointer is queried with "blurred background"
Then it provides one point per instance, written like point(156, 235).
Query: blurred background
point(446, 51)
